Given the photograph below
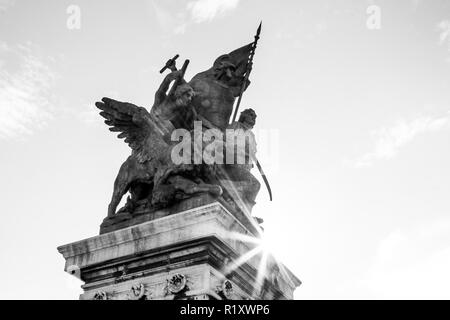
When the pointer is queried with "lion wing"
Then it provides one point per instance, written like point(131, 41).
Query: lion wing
point(135, 125)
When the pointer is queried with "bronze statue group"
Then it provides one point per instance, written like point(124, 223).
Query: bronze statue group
point(190, 110)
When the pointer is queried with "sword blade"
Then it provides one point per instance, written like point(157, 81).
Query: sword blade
point(266, 182)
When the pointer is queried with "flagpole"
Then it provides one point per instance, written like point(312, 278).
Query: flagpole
point(248, 71)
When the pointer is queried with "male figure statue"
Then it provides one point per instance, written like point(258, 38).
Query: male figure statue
point(235, 176)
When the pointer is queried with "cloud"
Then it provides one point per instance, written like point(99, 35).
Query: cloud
point(206, 10)
point(25, 83)
point(444, 32)
point(389, 140)
point(443, 28)
point(172, 18)
point(412, 263)
point(5, 5)
point(169, 18)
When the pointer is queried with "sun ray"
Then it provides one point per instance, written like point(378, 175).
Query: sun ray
point(232, 190)
point(261, 272)
point(244, 238)
point(233, 265)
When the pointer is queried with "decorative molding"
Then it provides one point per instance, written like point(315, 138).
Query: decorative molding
point(226, 290)
point(138, 292)
point(176, 283)
point(100, 295)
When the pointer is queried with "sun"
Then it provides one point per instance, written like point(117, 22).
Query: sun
point(271, 242)
point(265, 247)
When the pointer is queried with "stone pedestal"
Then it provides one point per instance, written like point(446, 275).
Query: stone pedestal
point(192, 254)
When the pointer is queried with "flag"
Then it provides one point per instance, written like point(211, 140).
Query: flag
point(239, 58)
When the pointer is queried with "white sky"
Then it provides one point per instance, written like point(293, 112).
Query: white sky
point(360, 173)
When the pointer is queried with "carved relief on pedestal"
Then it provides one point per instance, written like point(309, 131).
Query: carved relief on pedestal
point(138, 292)
point(226, 290)
point(176, 283)
point(100, 295)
